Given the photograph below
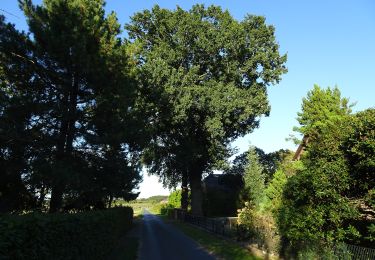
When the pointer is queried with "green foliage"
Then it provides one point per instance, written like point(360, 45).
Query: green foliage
point(272, 161)
point(258, 227)
point(254, 180)
point(154, 199)
point(238, 165)
point(174, 199)
point(156, 208)
point(359, 150)
point(291, 167)
point(67, 96)
point(167, 209)
point(258, 223)
point(322, 200)
point(153, 204)
point(203, 78)
point(370, 198)
point(315, 207)
point(89, 235)
point(275, 189)
point(274, 192)
point(320, 109)
point(269, 161)
point(16, 103)
point(371, 233)
point(319, 251)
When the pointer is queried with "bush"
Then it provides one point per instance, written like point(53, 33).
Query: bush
point(155, 208)
point(258, 227)
point(167, 209)
point(86, 235)
point(313, 208)
point(359, 149)
point(274, 191)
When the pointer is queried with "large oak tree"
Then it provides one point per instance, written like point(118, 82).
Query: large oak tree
point(203, 77)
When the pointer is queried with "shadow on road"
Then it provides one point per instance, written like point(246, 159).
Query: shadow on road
point(163, 241)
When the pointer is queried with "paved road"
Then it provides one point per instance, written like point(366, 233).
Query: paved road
point(161, 241)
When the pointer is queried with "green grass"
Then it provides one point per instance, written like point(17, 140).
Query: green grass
point(219, 247)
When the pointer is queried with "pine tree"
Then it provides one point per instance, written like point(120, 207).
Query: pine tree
point(254, 179)
point(76, 105)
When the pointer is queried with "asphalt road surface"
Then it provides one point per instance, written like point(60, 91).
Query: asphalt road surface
point(162, 241)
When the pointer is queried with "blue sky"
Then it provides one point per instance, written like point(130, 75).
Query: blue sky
point(328, 43)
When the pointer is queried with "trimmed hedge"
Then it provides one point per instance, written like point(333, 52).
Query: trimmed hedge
point(86, 235)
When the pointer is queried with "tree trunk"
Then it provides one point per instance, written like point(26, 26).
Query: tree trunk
point(42, 196)
point(72, 118)
point(56, 199)
point(184, 192)
point(65, 142)
point(56, 189)
point(110, 201)
point(196, 193)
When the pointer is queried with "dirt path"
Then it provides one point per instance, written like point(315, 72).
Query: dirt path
point(161, 241)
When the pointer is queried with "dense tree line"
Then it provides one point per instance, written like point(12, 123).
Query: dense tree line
point(327, 197)
point(331, 199)
point(82, 108)
point(70, 129)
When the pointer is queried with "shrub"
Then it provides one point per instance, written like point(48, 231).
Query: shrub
point(274, 191)
point(258, 227)
point(86, 235)
point(370, 198)
point(314, 210)
point(315, 205)
point(167, 209)
point(155, 208)
point(359, 149)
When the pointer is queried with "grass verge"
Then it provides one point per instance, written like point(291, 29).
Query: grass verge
point(219, 247)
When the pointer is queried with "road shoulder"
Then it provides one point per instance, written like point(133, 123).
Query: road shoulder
point(217, 247)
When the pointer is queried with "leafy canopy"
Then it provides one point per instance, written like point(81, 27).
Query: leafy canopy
point(203, 78)
point(69, 80)
point(322, 201)
point(359, 150)
point(320, 108)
